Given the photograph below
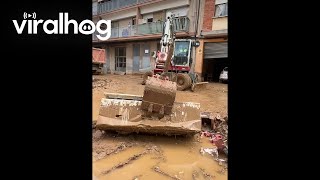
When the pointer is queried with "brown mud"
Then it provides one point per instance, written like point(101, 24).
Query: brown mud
point(162, 157)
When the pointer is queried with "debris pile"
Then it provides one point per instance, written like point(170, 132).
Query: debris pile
point(100, 83)
point(220, 125)
point(218, 136)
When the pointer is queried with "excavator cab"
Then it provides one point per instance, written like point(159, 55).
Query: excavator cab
point(182, 52)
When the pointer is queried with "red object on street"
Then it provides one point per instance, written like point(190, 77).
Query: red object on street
point(207, 134)
point(216, 137)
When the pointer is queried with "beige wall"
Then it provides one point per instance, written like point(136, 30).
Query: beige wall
point(112, 59)
point(121, 15)
point(199, 58)
point(153, 47)
point(158, 16)
point(220, 23)
point(129, 58)
point(167, 4)
point(125, 22)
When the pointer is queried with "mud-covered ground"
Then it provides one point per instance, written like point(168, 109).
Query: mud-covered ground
point(157, 157)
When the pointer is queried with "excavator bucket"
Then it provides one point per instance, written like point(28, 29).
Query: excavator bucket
point(159, 96)
point(123, 113)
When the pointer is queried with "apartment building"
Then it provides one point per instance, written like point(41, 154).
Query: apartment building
point(212, 54)
point(137, 26)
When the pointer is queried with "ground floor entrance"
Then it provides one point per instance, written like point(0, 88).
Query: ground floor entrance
point(215, 59)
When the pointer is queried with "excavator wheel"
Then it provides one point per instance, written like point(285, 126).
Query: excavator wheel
point(170, 75)
point(145, 77)
point(183, 81)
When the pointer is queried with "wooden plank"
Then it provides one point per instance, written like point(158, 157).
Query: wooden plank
point(199, 83)
point(123, 96)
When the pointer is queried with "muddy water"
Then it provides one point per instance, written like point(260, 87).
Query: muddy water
point(179, 158)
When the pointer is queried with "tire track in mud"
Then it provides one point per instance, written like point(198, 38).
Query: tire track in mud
point(148, 150)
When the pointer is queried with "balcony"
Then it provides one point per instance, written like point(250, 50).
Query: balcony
point(123, 32)
point(112, 5)
point(180, 24)
point(150, 28)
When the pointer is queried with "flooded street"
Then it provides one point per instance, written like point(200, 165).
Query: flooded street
point(142, 157)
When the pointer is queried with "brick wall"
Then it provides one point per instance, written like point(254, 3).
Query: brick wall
point(208, 14)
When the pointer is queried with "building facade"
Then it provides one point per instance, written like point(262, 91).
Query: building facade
point(212, 54)
point(137, 26)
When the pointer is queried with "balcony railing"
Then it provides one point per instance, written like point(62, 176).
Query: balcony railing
point(114, 5)
point(180, 24)
point(150, 28)
point(123, 32)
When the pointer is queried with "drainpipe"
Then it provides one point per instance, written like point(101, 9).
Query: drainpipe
point(138, 16)
point(195, 39)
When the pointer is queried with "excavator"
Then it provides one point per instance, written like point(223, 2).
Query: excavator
point(174, 60)
point(156, 111)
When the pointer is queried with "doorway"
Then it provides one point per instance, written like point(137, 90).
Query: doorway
point(120, 55)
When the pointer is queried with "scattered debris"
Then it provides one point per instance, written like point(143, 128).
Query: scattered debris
point(120, 165)
point(218, 136)
point(220, 126)
point(220, 161)
point(137, 177)
point(120, 148)
point(206, 134)
point(101, 150)
point(100, 83)
point(221, 171)
point(206, 175)
point(158, 170)
point(195, 175)
point(219, 131)
point(97, 134)
point(212, 151)
point(129, 160)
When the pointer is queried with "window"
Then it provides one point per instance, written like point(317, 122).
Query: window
point(150, 20)
point(94, 8)
point(114, 24)
point(221, 10)
point(120, 63)
point(134, 21)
